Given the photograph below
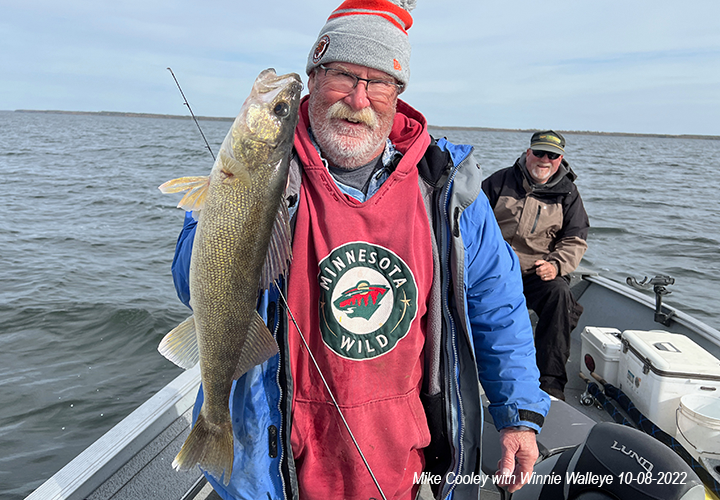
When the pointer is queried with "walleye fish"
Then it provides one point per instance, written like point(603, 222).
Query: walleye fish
point(242, 243)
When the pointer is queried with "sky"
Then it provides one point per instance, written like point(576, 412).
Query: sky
point(638, 66)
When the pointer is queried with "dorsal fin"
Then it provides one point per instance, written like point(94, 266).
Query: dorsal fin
point(279, 250)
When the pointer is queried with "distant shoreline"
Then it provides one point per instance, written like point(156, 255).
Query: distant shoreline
point(482, 129)
point(130, 115)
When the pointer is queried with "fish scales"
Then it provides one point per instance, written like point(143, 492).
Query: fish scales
point(239, 212)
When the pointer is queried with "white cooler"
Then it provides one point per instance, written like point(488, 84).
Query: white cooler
point(657, 368)
point(600, 352)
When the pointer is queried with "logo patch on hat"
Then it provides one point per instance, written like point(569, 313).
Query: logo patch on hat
point(321, 48)
point(550, 138)
point(368, 300)
point(397, 65)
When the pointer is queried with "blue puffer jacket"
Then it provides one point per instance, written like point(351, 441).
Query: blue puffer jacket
point(478, 327)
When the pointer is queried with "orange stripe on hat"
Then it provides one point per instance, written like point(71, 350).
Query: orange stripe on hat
point(387, 10)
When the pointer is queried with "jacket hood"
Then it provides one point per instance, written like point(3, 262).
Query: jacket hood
point(558, 183)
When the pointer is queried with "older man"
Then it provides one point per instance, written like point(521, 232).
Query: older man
point(542, 217)
point(385, 224)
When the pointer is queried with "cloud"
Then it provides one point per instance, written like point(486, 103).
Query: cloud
point(638, 67)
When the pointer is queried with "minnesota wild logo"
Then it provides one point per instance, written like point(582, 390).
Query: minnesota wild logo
point(368, 300)
point(362, 300)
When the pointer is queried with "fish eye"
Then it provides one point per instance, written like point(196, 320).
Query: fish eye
point(281, 109)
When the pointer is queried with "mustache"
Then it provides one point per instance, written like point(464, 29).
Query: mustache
point(342, 111)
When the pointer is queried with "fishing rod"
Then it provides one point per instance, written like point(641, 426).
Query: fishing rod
point(186, 103)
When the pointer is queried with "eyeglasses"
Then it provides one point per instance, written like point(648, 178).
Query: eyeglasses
point(377, 90)
point(540, 154)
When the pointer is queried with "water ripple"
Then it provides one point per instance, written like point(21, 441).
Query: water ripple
point(86, 242)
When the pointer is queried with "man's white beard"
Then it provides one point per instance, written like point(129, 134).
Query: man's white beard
point(540, 175)
point(345, 146)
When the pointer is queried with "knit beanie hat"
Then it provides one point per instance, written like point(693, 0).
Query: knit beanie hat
point(371, 33)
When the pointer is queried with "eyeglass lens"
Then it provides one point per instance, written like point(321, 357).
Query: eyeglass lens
point(346, 82)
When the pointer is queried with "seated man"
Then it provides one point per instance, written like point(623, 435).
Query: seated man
point(542, 217)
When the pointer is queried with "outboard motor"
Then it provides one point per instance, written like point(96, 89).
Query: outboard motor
point(614, 462)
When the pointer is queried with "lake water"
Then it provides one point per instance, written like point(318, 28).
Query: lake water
point(86, 242)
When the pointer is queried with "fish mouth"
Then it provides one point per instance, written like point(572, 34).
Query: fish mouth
point(269, 81)
point(271, 108)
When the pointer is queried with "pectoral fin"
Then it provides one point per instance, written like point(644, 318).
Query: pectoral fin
point(180, 345)
point(234, 169)
point(196, 188)
point(279, 250)
point(259, 346)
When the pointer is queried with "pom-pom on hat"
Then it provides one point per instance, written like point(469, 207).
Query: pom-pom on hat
point(371, 33)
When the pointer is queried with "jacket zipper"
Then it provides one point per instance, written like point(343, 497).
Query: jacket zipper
point(453, 334)
point(278, 370)
point(537, 218)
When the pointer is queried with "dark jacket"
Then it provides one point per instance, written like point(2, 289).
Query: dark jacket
point(540, 221)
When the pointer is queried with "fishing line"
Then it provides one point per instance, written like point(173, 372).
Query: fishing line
point(332, 396)
point(186, 103)
point(297, 327)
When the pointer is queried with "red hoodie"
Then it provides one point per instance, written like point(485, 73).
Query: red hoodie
point(358, 286)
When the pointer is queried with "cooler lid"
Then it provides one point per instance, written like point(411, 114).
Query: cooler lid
point(671, 354)
point(604, 339)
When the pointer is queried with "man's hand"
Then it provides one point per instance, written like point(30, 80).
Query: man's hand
point(545, 270)
point(519, 454)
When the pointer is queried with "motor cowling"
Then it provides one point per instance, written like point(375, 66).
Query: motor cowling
point(614, 462)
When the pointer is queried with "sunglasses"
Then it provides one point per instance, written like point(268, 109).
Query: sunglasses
point(540, 154)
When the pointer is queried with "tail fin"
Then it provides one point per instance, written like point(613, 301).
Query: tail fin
point(211, 447)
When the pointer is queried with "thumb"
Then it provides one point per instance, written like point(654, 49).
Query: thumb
point(506, 464)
